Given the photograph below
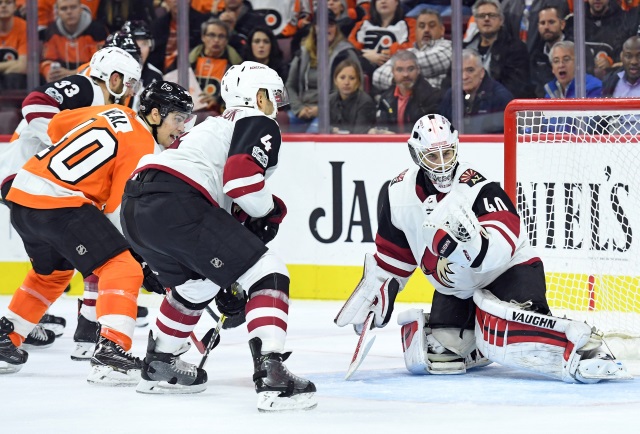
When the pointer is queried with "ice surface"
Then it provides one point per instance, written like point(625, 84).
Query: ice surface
point(50, 393)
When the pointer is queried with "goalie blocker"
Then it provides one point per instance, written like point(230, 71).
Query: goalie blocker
point(560, 348)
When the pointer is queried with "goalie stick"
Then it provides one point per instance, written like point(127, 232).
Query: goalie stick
point(364, 345)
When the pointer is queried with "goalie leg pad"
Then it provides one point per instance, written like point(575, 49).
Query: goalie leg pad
point(376, 292)
point(557, 347)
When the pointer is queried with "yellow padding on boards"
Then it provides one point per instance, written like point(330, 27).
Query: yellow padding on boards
point(12, 274)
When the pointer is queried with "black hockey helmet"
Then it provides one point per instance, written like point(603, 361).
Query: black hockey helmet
point(139, 29)
point(167, 97)
point(125, 41)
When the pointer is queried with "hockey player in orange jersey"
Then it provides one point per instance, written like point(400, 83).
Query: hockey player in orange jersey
point(66, 205)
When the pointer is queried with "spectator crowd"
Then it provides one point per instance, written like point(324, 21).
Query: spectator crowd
point(390, 60)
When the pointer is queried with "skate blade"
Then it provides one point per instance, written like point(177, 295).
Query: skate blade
point(271, 401)
point(163, 388)
point(8, 368)
point(107, 376)
point(35, 347)
point(142, 321)
point(83, 352)
point(58, 329)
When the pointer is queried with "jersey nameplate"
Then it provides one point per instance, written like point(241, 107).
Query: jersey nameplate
point(118, 119)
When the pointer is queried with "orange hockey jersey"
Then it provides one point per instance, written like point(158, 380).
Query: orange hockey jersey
point(95, 151)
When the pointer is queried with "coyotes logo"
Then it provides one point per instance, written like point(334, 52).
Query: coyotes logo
point(438, 268)
point(471, 177)
point(398, 178)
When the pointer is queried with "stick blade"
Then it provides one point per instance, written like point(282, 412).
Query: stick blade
point(364, 345)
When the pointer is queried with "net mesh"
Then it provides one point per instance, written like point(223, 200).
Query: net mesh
point(578, 194)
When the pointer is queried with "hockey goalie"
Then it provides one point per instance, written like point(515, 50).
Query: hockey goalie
point(464, 233)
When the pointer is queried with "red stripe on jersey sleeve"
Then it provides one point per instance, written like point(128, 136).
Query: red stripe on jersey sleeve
point(238, 167)
point(39, 98)
point(504, 235)
point(510, 220)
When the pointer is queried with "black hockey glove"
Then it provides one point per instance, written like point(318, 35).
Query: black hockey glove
point(266, 227)
point(231, 301)
point(150, 282)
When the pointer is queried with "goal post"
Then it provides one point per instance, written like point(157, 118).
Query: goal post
point(572, 167)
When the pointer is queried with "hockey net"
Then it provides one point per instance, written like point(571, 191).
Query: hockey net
point(573, 169)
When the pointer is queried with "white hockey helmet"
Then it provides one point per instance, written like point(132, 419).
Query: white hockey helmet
point(241, 83)
point(433, 145)
point(106, 61)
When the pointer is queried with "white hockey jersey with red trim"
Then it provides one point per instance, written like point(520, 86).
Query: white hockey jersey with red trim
point(401, 247)
point(227, 158)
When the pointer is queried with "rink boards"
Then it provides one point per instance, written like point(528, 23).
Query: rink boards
point(331, 186)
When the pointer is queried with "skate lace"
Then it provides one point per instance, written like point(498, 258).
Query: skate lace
point(124, 353)
point(279, 371)
point(183, 367)
point(38, 333)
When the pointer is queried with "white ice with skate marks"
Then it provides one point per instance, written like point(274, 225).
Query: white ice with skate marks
point(51, 394)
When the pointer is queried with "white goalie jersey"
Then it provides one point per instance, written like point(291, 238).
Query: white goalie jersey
point(227, 158)
point(400, 241)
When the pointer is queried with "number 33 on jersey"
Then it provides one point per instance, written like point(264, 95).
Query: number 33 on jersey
point(95, 151)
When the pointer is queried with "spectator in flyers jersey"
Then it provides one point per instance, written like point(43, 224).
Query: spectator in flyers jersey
point(70, 40)
point(13, 48)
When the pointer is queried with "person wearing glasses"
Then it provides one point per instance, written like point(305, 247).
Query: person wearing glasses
point(562, 58)
point(211, 59)
point(504, 57)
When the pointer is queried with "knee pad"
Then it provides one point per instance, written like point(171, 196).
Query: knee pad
point(196, 293)
point(424, 353)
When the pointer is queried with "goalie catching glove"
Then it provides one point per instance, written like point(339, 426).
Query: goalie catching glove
point(150, 282)
point(375, 293)
point(454, 232)
point(265, 227)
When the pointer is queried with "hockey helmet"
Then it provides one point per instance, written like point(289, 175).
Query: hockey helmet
point(139, 29)
point(125, 41)
point(106, 61)
point(241, 83)
point(167, 97)
point(433, 146)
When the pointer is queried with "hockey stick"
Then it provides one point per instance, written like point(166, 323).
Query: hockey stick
point(201, 345)
point(213, 340)
point(364, 345)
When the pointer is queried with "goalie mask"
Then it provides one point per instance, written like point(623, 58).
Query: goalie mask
point(433, 146)
point(240, 85)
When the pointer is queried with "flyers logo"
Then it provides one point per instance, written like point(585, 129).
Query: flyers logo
point(471, 177)
point(167, 87)
point(379, 39)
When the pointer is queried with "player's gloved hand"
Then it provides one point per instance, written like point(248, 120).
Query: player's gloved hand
point(231, 301)
point(266, 227)
point(457, 236)
point(150, 282)
point(375, 293)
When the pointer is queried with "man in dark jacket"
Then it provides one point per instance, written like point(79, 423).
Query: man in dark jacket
point(484, 98)
point(504, 57)
point(411, 98)
point(625, 82)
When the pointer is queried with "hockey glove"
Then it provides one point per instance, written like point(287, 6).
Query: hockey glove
point(266, 227)
point(231, 301)
point(150, 282)
point(458, 236)
point(375, 293)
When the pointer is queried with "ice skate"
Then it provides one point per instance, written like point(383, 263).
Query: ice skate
point(12, 358)
point(54, 323)
point(277, 388)
point(85, 338)
point(596, 364)
point(113, 366)
point(142, 318)
point(166, 373)
point(39, 338)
